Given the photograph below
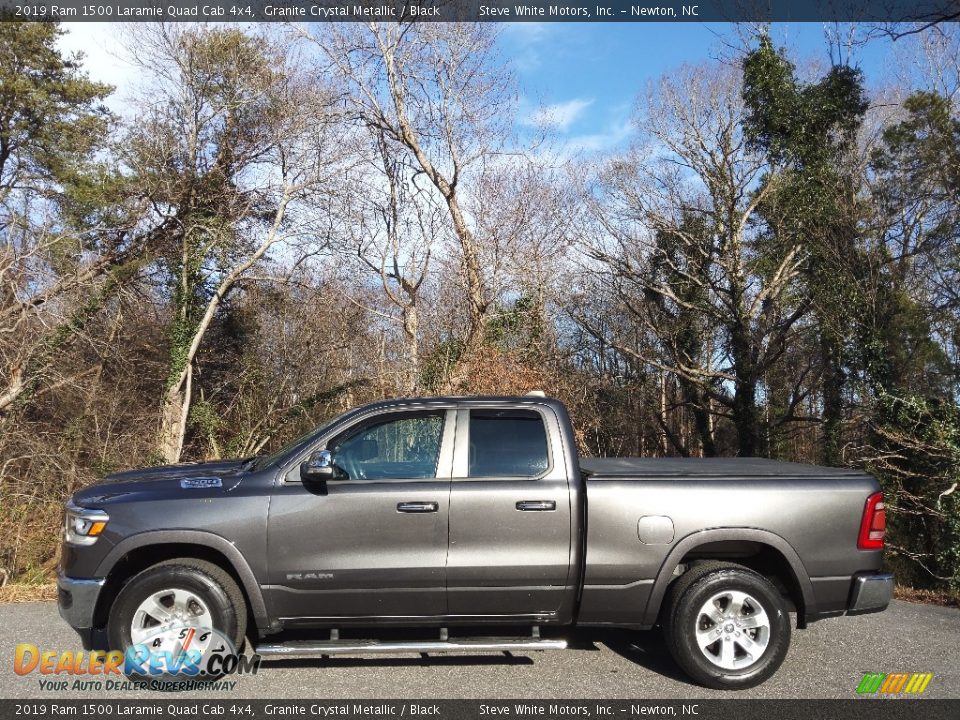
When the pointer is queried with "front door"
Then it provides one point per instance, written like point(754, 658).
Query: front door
point(373, 542)
point(509, 517)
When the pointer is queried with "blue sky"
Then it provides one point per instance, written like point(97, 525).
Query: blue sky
point(586, 75)
point(589, 74)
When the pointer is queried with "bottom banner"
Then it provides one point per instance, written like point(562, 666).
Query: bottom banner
point(891, 709)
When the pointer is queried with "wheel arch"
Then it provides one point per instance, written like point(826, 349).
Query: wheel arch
point(142, 550)
point(794, 573)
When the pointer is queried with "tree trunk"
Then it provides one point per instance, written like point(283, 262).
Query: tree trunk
point(745, 416)
point(411, 323)
point(701, 421)
point(173, 418)
point(16, 384)
point(477, 304)
point(664, 419)
point(746, 419)
point(832, 398)
point(175, 407)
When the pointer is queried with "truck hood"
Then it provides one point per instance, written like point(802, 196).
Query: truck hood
point(221, 469)
point(221, 476)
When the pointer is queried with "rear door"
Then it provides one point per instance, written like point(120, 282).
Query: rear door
point(509, 515)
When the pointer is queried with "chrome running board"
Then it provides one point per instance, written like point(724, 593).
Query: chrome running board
point(314, 649)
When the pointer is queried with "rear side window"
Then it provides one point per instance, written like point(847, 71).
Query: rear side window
point(507, 443)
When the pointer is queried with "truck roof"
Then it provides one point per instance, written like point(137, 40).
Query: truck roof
point(468, 398)
point(707, 468)
point(465, 400)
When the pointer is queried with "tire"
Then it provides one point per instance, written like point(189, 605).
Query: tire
point(743, 615)
point(204, 594)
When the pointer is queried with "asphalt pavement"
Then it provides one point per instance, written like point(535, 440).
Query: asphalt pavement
point(827, 660)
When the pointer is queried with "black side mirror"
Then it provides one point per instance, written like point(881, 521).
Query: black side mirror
point(319, 466)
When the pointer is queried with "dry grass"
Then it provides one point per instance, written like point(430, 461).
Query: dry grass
point(28, 592)
point(927, 597)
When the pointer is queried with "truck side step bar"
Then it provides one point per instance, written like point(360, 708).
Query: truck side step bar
point(314, 649)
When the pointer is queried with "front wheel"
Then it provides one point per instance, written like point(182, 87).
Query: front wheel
point(727, 626)
point(174, 616)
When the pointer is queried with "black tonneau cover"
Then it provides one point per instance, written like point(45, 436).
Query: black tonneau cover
point(706, 468)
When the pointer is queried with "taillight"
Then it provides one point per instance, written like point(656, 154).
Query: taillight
point(874, 524)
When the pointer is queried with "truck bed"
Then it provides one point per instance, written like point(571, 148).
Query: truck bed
point(705, 468)
point(645, 514)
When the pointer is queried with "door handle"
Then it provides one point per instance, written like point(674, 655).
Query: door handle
point(536, 505)
point(417, 507)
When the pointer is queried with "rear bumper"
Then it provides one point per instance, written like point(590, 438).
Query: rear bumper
point(77, 601)
point(870, 593)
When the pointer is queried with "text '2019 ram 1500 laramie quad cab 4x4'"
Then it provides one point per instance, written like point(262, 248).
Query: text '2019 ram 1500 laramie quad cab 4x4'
point(446, 516)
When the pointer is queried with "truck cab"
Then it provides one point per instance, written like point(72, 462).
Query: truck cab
point(428, 510)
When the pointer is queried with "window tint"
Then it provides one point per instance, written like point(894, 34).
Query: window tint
point(507, 443)
point(405, 447)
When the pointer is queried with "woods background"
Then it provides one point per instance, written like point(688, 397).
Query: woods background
point(294, 221)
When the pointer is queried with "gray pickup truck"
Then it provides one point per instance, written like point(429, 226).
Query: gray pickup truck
point(470, 524)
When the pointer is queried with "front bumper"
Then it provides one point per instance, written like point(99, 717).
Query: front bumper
point(77, 601)
point(870, 593)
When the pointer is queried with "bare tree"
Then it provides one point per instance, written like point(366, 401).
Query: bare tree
point(677, 243)
point(929, 17)
point(398, 230)
point(435, 89)
point(526, 222)
point(238, 136)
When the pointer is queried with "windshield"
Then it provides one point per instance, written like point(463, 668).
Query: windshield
point(291, 447)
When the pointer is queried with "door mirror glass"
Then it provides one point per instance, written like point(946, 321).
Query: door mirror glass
point(319, 466)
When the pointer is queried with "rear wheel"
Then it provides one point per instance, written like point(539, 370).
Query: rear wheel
point(726, 626)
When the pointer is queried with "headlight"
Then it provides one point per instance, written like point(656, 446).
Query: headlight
point(82, 526)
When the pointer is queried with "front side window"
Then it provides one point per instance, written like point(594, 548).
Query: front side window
point(403, 447)
point(507, 443)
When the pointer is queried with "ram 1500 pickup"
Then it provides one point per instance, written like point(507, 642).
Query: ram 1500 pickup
point(454, 518)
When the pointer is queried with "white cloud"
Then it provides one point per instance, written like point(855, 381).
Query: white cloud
point(526, 33)
point(526, 41)
point(103, 57)
point(559, 115)
point(607, 139)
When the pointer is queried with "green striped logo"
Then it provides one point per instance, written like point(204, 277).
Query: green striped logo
point(870, 683)
point(893, 683)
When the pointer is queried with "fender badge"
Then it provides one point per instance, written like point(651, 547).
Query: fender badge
point(200, 482)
